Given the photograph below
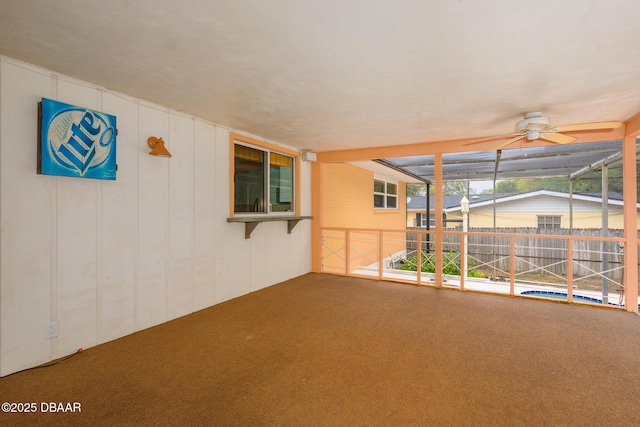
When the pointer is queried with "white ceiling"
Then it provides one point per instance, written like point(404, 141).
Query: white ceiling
point(337, 74)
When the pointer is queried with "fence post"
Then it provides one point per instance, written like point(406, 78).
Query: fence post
point(347, 249)
point(512, 265)
point(570, 270)
point(380, 254)
point(463, 260)
point(419, 256)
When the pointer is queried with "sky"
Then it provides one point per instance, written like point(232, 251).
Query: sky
point(480, 186)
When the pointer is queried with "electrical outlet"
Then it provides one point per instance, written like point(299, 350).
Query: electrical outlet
point(51, 330)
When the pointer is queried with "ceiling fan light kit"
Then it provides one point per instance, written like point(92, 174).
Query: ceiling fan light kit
point(536, 126)
point(533, 120)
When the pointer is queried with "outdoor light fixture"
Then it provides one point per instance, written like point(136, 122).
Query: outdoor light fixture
point(464, 205)
point(157, 147)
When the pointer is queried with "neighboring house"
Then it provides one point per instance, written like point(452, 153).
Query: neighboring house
point(417, 209)
point(542, 209)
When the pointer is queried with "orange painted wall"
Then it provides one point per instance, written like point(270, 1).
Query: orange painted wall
point(348, 200)
point(348, 203)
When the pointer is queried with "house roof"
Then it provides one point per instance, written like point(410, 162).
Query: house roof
point(419, 203)
point(452, 202)
point(345, 74)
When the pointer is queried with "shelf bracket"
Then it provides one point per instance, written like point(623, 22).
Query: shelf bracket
point(248, 229)
point(250, 223)
point(291, 223)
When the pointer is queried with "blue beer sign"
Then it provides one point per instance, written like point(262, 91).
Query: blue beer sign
point(76, 141)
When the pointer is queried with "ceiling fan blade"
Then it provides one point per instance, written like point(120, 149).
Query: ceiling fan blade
point(509, 142)
point(489, 138)
point(558, 138)
point(588, 126)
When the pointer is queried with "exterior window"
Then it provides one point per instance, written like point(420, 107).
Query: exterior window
point(549, 221)
point(422, 220)
point(263, 180)
point(385, 194)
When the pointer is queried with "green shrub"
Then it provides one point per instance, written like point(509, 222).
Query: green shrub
point(450, 262)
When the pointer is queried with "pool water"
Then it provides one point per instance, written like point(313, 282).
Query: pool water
point(563, 296)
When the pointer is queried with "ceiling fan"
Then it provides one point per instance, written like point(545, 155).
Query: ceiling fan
point(536, 126)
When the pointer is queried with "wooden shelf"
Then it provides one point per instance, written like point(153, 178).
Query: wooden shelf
point(251, 222)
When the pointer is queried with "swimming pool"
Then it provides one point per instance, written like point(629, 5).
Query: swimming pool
point(563, 295)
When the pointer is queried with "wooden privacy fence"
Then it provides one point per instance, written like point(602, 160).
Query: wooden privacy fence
point(492, 247)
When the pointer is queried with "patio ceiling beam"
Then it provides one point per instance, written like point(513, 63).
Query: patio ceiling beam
point(632, 125)
point(446, 147)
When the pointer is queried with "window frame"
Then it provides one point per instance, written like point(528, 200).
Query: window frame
point(546, 224)
point(386, 194)
point(423, 220)
point(241, 140)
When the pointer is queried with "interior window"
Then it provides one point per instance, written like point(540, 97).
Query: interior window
point(263, 180)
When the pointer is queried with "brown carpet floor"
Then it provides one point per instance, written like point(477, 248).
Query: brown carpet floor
point(323, 350)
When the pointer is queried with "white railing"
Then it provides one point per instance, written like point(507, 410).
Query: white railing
point(534, 265)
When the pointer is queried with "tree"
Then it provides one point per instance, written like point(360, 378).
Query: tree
point(588, 183)
point(416, 189)
point(506, 186)
point(592, 181)
point(550, 183)
point(449, 187)
point(453, 188)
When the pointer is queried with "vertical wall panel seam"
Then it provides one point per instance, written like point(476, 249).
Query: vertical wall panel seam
point(53, 244)
point(168, 292)
point(136, 261)
point(167, 226)
point(2, 62)
point(136, 229)
point(99, 234)
point(193, 214)
point(213, 258)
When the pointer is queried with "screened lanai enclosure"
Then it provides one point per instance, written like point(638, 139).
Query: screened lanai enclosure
point(562, 260)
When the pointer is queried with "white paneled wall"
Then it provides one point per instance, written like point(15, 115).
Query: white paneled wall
point(204, 193)
point(27, 225)
point(153, 199)
point(119, 229)
point(108, 258)
point(180, 221)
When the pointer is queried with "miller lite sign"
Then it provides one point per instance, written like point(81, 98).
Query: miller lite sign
point(76, 141)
